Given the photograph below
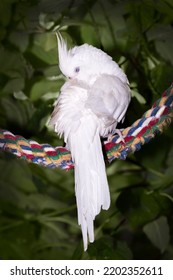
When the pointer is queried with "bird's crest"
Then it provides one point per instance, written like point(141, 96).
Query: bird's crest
point(63, 53)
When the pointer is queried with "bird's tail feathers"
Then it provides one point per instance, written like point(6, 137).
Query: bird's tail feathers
point(91, 186)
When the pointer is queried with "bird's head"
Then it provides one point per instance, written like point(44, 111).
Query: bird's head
point(84, 63)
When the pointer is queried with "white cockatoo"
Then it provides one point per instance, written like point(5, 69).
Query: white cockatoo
point(92, 101)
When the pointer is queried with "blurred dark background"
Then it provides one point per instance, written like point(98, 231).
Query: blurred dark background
point(38, 218)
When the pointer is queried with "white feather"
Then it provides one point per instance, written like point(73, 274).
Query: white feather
point(90, 105)
point(81, 133)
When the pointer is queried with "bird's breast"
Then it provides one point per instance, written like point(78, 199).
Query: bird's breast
point(70, 109)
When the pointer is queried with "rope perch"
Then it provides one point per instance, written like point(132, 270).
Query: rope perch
point(140, 132)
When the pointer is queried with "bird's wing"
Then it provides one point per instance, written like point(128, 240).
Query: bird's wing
point(109, 98)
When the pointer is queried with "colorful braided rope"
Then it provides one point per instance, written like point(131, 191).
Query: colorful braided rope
point(144, 129)
point(140, 132)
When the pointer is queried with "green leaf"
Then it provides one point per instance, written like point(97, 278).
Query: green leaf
point(23, 236)
point(105, 249)
point(12, 63)
point(44, 87)
point(169, 162)
point(38, 202)
point(138, 96)
point(20, 40)
point(161, 182)
point(5, 11)
point(52, 72)
point(45, 48)
point(20, 95)
point(124, 180)
point(163, 35)
point(156, 150)
point(158, 232)
point(17, 112)
point(161, 76)
point(89, 32)
point(140, 207)
point(165, 49)
point(13, 85)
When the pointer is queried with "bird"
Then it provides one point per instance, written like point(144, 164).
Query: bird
point(92, 101)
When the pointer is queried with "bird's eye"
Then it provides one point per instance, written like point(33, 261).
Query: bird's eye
point(77, 69)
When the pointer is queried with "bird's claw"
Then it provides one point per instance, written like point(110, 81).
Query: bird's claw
point(116, 131)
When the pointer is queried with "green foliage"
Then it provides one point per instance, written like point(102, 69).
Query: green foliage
point(37, 205)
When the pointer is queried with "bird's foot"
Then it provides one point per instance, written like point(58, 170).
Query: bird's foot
point(116, 131)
